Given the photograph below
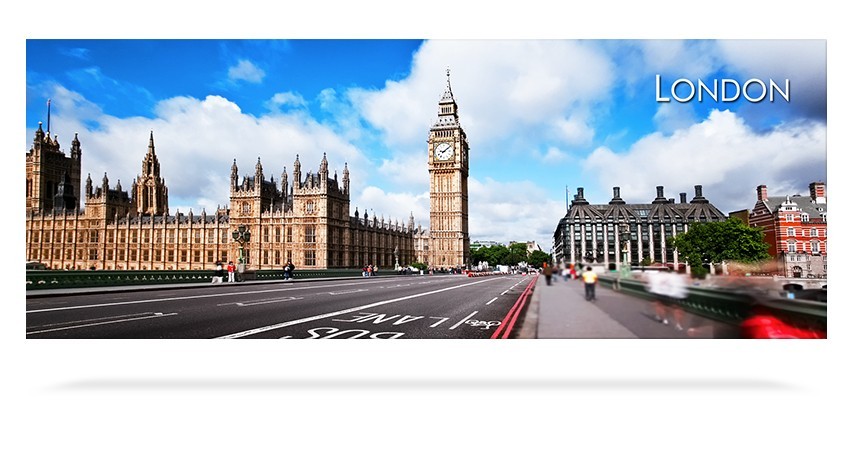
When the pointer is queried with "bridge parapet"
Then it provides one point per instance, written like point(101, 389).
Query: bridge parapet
point(732, 305)
point(60, 279)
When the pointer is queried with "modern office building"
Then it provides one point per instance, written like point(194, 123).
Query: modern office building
point(620, 233)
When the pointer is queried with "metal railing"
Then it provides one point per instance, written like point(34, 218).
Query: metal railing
point(731, 306)
point(61, 279)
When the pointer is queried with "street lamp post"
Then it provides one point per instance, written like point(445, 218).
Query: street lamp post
point(625, 237)
point(242, 236)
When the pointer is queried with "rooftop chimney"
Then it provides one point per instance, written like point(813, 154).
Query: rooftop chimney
point(698, 198)
point(616, 200)
point(579, 198)
point(659, 195)
point(683, 197)
point(817, 191)
point(761, 192)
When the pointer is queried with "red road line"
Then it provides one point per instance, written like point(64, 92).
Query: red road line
point(513, 313)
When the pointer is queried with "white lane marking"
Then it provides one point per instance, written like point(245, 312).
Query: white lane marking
point(351, 291)
point(189, 297)
point(491, 301)
point(442, 319)
point(463, 320)
point(262, 302)
point(344, 311)
point(505, 292)
point(154, 316)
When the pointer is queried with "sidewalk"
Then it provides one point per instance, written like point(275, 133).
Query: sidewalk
point(560, 311)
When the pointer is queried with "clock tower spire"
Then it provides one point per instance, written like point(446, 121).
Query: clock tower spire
point(448, 167)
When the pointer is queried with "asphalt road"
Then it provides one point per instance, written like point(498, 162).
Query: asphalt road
point(423, 307)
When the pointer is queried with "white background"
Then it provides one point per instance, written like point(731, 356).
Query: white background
point(680, 394)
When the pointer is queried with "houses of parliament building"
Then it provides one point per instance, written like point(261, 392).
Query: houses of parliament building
point(306, 221)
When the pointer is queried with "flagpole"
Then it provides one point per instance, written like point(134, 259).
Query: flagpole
point(48, 116)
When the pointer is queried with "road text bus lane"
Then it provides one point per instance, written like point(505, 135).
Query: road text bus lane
point(456, 313)
point(201, 312)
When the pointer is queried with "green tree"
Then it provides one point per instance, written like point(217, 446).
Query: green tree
point(478, 255)
point(715, 242)
point(517, 253)
point(537, 258)
point(498, 255)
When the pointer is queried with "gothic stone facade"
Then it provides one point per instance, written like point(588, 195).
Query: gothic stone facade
point(448, 167)
point(307, 221)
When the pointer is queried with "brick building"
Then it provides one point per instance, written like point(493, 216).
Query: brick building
point(795, 228)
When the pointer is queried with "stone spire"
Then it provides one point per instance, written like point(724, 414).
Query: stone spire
point(447, 108)
point(149, 190)
point(323, 169)
point(284, 184)
point(234, 175)
point(76, 151)
point(258, 174)
point(448, 97)
point(345, 180)
point(296, 174)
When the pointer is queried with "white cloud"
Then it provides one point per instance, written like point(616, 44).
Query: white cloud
point(503, 88)
point(552, 155)
point(196, 143)
point(687, 59)
point(674, 116)
point(407, 170)
point(722, 154)
point(286, 99)
point(512, 211)
point(574, 130)
point(802, 61)
point(245, 70)
point(393, 206)
point(504, 212)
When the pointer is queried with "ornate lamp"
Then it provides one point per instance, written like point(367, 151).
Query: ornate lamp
point(242, 235)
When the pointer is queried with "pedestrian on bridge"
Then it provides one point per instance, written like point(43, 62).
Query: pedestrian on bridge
point(547, 272)
point(589, 277)
point(218, 276)
point(231, 272)
point(669, 289)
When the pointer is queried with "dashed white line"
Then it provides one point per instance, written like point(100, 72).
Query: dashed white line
point(189, 297)
point(344, 311)
point(154, 316)
point(442, 319)
point(491, 301)
point(463, 320)
point(262, 302)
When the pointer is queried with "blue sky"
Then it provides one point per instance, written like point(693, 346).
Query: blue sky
point(541, 116)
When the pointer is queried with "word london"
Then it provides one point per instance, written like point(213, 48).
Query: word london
point(730, 90)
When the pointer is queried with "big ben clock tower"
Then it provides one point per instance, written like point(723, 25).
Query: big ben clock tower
point(448, 166)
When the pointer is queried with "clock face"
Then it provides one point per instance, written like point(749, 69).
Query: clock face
point(444, 151)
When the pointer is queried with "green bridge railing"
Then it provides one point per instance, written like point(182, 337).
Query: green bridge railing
point(731, 306)
point(62, 279)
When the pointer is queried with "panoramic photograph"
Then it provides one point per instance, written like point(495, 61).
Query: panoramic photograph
point(423, 226)
point(425, 189)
